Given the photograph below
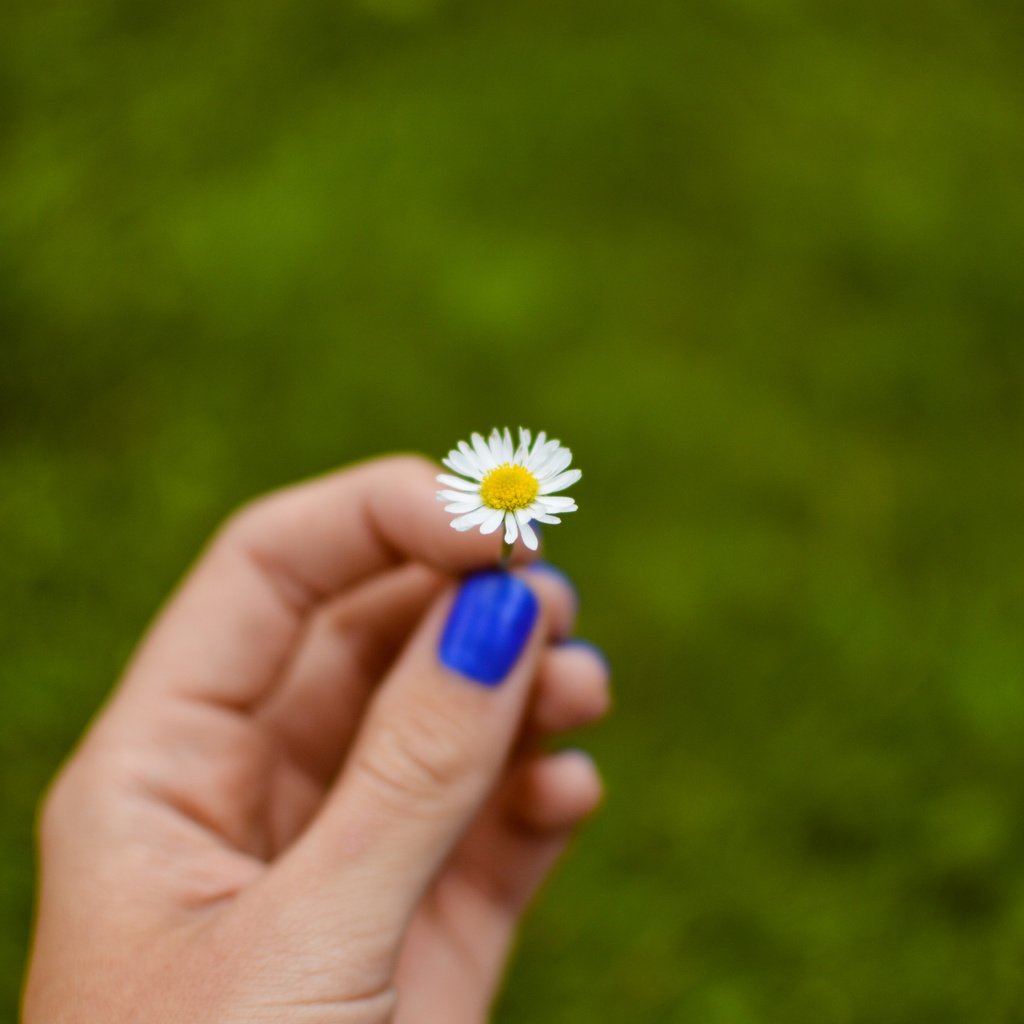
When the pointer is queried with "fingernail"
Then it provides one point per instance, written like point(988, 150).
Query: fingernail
point(541, 566)
point(488, 626)
point(577, 752)
point(588, 645)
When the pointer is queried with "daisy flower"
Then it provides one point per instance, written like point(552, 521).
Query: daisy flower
point(501, 482)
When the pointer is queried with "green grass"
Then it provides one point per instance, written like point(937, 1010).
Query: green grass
point(758, 264)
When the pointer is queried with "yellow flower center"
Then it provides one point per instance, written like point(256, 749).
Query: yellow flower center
point(509, 487)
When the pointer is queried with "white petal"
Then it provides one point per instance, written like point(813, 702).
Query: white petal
point(493, 520)
point(536, 512)
point(458, 463)
point(523, 450)
point(553, 463)
point(554, 503)
point(494, 444)
point(538, 446)
point(457, 482)
point(540, 465)
point(559, 483)
point(511, 530)
point(484, 455)
point(458, 508)
point(541, 457)
point(529, 537)
point(467, 522)
point(456, 467)
point(459, 496)
point(471, 459)
point(507, 448)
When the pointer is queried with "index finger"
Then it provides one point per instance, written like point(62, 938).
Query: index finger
point(229, 629)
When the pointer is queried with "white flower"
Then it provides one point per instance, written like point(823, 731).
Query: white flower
point(507, 484)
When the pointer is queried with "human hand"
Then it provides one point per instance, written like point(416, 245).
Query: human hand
point(292, 809)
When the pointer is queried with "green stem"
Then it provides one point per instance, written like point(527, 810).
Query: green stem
point(506, 554)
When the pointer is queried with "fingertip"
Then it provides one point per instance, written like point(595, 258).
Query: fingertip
point(580, 780)
point(489, 624)
point(576, 643)
point(429, 536)
point(559, 791)
point(572, 689)
point(434, 540)
point(542, 565)
point(557, 595)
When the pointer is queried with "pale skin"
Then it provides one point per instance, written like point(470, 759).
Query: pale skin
point(290, 810)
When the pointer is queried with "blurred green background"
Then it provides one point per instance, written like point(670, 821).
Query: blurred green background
point(758, 264)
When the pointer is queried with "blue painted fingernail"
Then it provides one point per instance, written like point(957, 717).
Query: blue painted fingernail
point(488, 626)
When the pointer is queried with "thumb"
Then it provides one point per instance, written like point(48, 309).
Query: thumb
point(429, 752)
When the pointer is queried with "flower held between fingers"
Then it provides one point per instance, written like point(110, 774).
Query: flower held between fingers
point(501, 482)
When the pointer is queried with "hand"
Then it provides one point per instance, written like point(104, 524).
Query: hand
point(294, 809)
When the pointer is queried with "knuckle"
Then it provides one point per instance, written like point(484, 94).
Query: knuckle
point(77, 797)
point(425, 756)
point(246, 521)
